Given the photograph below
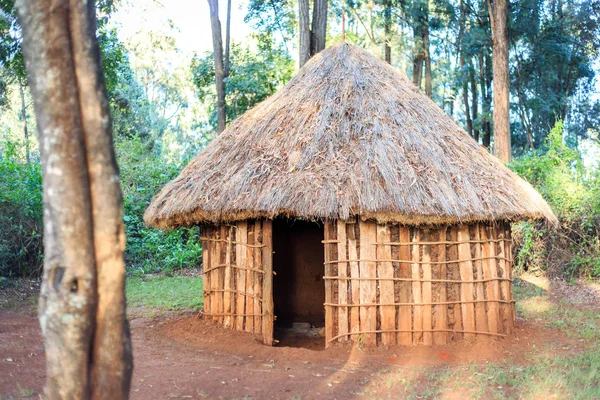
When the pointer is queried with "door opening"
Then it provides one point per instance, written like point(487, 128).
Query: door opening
point(298, 288)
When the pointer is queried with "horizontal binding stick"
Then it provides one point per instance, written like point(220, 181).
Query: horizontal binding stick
point(227, 241)
point(234, 314)
point(231, 291)
point(237, 267)
point(435, 303)
point(438, 242)
point(419, 280)
point(422, 331)
point(420, 262)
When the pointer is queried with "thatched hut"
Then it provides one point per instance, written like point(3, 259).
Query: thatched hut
point(351, 200)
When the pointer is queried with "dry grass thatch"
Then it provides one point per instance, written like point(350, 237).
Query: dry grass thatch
point(349, 135)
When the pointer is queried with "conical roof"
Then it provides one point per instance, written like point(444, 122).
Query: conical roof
point(348, 135)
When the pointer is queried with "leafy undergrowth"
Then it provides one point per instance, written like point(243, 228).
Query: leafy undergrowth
point(154, 293)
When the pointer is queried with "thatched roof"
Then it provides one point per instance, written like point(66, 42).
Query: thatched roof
point(349, 135)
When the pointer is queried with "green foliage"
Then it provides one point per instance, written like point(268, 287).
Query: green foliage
point(559, 175)
point(150, 250)
point(552, 71)
point(253, 76)
point(165, 293)
point(20, 215)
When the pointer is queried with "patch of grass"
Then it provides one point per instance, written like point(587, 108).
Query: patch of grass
point(176, 293)
point(24, 392)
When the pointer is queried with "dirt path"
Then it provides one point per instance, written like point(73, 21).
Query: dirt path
point(182, 356)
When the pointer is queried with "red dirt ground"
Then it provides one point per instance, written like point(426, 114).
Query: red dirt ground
point(182, 356)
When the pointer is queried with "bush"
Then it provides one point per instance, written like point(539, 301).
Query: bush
point(150, 250)
point(142, 176)
point(572, 250)
point(20, 215)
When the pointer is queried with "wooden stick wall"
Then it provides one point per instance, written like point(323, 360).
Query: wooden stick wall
point(392, 284)
point(238, 276)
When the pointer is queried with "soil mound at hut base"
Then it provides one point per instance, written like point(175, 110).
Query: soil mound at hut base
point(197, 332)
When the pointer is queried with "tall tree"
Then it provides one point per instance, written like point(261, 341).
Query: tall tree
point(82, 301)
point(217, 40)
point(421, 57)
point(387, 27)
point(312, 35)
point(498, 15)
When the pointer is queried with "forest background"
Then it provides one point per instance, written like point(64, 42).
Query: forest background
point(164, 104)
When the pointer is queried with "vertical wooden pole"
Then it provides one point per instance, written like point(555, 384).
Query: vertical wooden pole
point(368, 288)
point(251, 277)
point(342, 283)
point(385, 270)
point(441, 311)
point(481, 323)
point(454, 272)
point(427, 297)
point(258, 277)
point(267, 290)
point(504, 267)
point(466, 276)
point(416, 288)
point(228, 305)
point(214, 274)
point(241, 237)
point(206, 267)
point(354, 273)
point(328, 236)
point(490, 272)
point(222, 248)
point(508, 253)
point(404, 312)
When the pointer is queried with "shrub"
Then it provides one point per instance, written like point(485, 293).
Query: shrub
point(142, 175)
point(150, 250)
point(572, 250)
point(20, 215)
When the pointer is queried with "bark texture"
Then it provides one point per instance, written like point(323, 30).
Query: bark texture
point(217, 40)
point(82, 301)
point(387, 19)
point(304, 21)
point(502, 145)
point(312, 35)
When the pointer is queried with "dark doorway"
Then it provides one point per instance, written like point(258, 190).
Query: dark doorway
point(298, 288)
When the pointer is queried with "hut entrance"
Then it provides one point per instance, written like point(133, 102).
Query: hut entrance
point(298, 289)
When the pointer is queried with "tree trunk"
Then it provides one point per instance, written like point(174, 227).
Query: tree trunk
point(82, 301)
point(418, 54)
point(427, 56)
point(215, 25)
point(24, 117)
point(465, 91)
point(304, 30)
point(498, 15)
point(462, 64)
point(387, 18)
point(486, 100)
point(312, 38)
point(227, 39)
point(319, 27)
point(421, 58)
point(474, 101)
